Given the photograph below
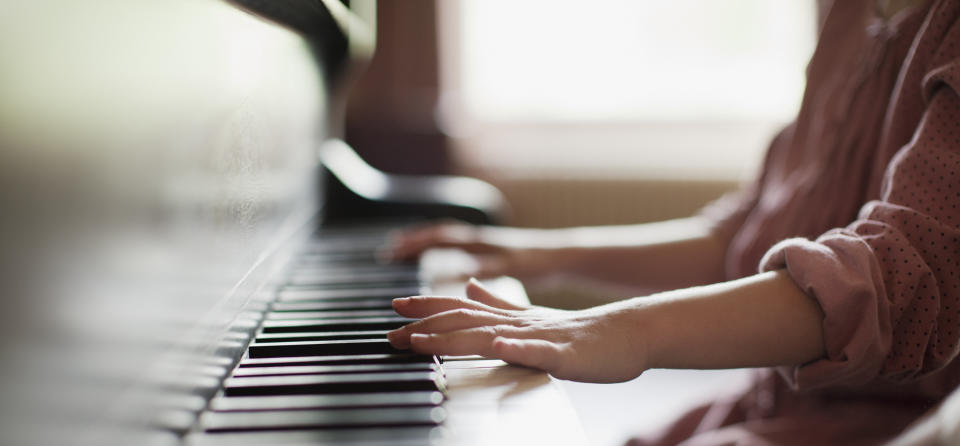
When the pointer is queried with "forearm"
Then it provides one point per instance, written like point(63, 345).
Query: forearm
point(648, 257)
point(653, 257)
point(762, 320)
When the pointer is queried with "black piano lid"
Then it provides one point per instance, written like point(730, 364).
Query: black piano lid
point(158, 167)
point(157, 163)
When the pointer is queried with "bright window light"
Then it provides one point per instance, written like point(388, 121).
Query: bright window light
point(636, 63)
point(644, 59)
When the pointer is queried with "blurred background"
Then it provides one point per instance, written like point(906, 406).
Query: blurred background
point(600, 112)
point(153, 154)
point(604, 112)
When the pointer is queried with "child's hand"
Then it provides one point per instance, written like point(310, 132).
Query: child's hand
point(589, 345)
point(499, 251)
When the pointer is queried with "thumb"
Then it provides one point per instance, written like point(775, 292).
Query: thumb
point(485, 267)
point(476, 291)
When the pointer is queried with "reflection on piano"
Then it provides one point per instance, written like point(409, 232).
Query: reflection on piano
point(164, 169)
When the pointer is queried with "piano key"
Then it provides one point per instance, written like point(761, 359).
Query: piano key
point(332, 384)
point(320, 348)
point(397, 436)
point(292, 402)
point(336, 268)
point(368, 304)
point(354, 270)
point(320, 336)
point(369, 272)
point(334, 369)
point(339, 258)
point(325, 278)
point(322, 419)
point(327, 245)
point(415, 283)
point(390, 358)
point(366, 293)
point(357, 324)
point(293, 315)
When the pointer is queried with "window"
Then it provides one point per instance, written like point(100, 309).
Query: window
point(622, 87)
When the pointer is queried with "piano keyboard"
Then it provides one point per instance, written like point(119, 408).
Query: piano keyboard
point(319, 369)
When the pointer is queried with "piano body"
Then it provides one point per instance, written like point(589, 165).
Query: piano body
point(179, 266)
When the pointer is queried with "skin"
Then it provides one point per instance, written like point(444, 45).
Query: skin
point(762, 320)
point(649, 257)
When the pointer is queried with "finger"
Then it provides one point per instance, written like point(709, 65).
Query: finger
point(488, 266)
point(410, 244)
point(537, 353)
point(454, 320)
point(471, 341)
point(484, 266)
point(477, 292)
point(423, 306)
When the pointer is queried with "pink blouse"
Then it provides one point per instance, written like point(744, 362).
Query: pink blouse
point(857, 200)
point(871, 171)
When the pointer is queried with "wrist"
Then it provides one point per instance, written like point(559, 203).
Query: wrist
point(634, 322)
point(650, 332)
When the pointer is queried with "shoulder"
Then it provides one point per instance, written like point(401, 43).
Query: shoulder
point(938, 45)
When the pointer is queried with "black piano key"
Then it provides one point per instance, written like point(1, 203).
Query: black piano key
point(296, 402)
point(337, 258)
point(353, 269)
point(320, 336)
point(358, 324)
point(328, 245)
point(345, 383)
point(334, 369)
point(350, 305)
point(345, 286)
point(292, 315)
point(324, 278)
point(334, 268)
point(366, 293)
point(321, 419)
point(396, 436)
point(390, 358)
point(320, 348)
point(333, 384)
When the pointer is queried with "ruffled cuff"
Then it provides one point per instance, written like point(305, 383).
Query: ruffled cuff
point(841, 273)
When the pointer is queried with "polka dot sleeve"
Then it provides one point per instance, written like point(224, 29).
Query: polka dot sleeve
point(889, 283)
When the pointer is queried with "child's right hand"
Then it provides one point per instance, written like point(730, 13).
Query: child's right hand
point(498, 250)
point(602, 344)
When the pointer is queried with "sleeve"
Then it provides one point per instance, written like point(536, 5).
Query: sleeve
point(889, 283)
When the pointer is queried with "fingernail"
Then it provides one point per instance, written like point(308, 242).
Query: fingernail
point(393, 334)
point(419, 337)
point(474, 281)
point(401, 301)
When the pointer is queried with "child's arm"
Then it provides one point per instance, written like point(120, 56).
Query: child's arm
point(763, 320)
point(652, 257)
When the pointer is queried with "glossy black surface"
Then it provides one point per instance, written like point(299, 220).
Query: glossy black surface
point(157, 159)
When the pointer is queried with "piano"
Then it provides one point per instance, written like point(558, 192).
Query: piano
point(189, 247)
